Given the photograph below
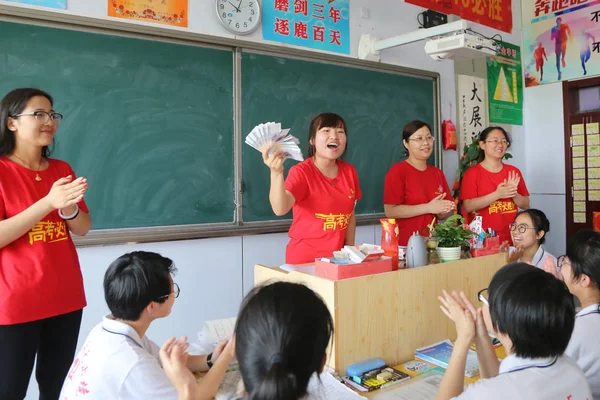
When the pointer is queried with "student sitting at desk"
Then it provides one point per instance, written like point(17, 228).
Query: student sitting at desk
point(528, 233)
point(415, 192)
point(322, 192)
point(532, 314)
point(117, 360)
point(281, 334)
point(581, 272)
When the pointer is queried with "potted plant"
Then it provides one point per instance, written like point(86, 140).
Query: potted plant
point(450, 236)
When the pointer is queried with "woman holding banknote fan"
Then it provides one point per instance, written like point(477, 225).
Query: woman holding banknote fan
point(321, 191)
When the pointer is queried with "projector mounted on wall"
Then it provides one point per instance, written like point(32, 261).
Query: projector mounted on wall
point(453, 41)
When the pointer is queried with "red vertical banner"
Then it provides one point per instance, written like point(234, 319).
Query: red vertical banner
point(496, 14)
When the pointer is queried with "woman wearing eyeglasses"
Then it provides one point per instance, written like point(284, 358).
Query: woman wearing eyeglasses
point(415, 192)
point(492, 189)
point(41, 286)
point(528, 233)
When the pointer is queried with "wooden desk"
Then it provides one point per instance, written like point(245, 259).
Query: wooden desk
point(390, 315)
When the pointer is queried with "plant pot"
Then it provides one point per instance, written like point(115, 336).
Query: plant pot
point(449, 253)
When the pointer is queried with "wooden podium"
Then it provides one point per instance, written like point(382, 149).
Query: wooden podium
point(390, 315)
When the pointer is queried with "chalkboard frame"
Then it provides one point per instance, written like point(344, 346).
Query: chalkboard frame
point(115, 27)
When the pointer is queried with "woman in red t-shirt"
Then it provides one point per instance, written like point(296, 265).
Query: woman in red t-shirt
point(321, 190)
point(492, 189)
point(415, 192)
point(41, 287)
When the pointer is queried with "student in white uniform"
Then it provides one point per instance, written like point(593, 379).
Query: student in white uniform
point(532, 314)
point(282, 333)
point(528, 233)
point(581, 272)
point(117, 360)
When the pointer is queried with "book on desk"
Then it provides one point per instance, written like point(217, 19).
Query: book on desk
point(439, 354)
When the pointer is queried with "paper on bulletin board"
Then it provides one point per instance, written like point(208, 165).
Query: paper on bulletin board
point(593, 195)
point(593, 151)
point(579, 174)
point(578, 151)
point(592, 128)
point(579, 184)
point(578, 162)
point(594, 184)
point(593, 140)
point(169, 12)
point(578, 140)
point(593, 162)
point(577, 129)
point(579, 195)
point(593, 173)
point(579, 206)
point(579, 217)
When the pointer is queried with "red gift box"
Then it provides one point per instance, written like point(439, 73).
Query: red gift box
point(336, 272)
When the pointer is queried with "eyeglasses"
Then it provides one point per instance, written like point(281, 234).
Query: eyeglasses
point(42, 116)
point(420, 139)
point(495, 142)
point(482, 296)
point(175, 292)
point(521, 228)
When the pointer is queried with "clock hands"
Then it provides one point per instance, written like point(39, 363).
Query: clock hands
point(236, 8)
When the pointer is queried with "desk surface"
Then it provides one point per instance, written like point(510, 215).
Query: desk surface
point(500, 353)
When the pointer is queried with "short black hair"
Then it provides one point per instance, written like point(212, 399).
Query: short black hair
point(282, 333)
point(134, 280)
point(539, 220)
point(583, 251)
point(533, 308)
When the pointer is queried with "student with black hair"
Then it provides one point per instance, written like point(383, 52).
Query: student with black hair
point(581, 272)
point(492, 189)
point(117, 360)
point(532, 314)
point(528, 233)
point(281, 334)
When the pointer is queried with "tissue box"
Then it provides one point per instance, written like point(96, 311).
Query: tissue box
point(336, 272)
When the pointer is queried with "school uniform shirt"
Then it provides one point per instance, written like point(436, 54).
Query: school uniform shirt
point(479, 182)
point(40, 276)
point(115, 363)
point(322, 210)
point(543, 260)
point(404, 184)
point(532, 379)
point(584, 346)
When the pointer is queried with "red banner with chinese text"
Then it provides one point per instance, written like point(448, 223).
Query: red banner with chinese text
point(496, 14)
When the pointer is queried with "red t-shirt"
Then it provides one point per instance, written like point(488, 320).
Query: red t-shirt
point(40, 275)
point(478, 182)
point(321, 212)
point(404, 184)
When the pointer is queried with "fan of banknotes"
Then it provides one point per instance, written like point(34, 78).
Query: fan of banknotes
point(271, 137)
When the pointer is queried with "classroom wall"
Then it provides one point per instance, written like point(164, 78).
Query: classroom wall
point(545, 165)
point(215, 273)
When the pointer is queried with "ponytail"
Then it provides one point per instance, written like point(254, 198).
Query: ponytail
point(278, 384)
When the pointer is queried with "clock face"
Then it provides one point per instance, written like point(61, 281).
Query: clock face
point(239, 16)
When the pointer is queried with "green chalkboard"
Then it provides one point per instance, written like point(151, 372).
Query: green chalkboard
point(376, 105)
point(150, 124)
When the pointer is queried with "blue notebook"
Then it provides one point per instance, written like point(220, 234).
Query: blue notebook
point(439, 354)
